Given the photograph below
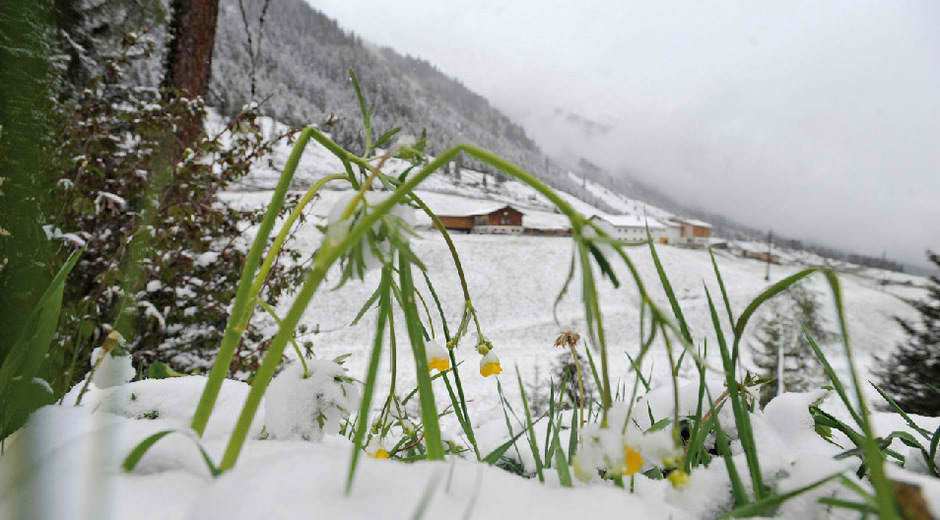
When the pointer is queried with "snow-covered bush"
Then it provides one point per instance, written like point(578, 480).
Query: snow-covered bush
point(299, 407)
point(162, 253)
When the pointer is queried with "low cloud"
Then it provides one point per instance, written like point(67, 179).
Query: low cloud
point(819, 120)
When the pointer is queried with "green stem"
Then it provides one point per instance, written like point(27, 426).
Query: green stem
point(675, 388)
point(243, 297)
point(326, 256)
point(393, 368)
point(432, 432)
point(293, 341)
point(273, 357)
point(285, 230)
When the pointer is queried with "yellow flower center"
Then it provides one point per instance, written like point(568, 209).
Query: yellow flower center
point(490, 369)
point(678, 478)
point(380, 454)
point(633, 459)
point(441, 364)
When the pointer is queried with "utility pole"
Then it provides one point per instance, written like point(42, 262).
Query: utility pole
point(770, 238)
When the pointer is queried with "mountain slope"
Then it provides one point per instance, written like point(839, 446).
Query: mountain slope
point(302, 78)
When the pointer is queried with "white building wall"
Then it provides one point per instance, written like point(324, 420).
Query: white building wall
point(497, 230)
point(671, 234)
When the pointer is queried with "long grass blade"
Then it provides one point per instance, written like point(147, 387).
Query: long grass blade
point(741, 418)
point(907, 418)
point(133, 458)
point(760, 507)
point(752, 307)
point(362, 424)
point(528, 418)
point(670, 294)
point(432, 430)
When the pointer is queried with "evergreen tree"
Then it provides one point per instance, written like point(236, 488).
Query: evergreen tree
point(780, 338)
point(911, 374)
point(564, 368)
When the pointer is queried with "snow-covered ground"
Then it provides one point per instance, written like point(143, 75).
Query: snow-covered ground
point(65, 465)
point(514, 280)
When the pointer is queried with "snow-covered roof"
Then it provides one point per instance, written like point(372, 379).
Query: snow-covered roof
point(474, 210)
point(696, 223)
point(630, 221)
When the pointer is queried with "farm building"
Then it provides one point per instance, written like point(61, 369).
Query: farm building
point(694, 232)
point(503, 219)
point(763, 256)
point(631, 228)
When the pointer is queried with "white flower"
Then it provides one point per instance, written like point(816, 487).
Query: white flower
point(489, 364)
point(338, 227)
point(376, 448)
point(437, 356)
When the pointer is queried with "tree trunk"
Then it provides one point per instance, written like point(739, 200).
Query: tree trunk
point(189, 53)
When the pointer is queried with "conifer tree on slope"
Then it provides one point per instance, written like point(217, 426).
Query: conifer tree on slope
point(780, 337)
point(911, 374)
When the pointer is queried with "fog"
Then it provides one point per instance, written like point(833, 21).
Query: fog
point(819, 120)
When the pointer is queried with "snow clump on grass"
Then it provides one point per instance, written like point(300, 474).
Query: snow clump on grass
point(114, 369)
point(306, 408)
point(615, 450)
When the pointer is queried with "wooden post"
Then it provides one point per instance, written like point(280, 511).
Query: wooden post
point(770, 238)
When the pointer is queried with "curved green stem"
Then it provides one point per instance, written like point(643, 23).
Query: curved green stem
point(293, 341)
point(243, 297)
point(285, 230)
point(329, 253)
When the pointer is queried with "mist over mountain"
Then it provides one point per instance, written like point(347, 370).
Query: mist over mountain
point(301, 76)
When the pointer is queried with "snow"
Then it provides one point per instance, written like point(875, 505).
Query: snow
point(73, 454)
point(632, 221)
point(113, 370)
point(151, 311)
point(696, 223)
point(106, 199)
point(206, 259)
point(305, 408)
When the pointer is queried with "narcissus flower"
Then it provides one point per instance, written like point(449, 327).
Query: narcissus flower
point(437, 356)
point(489, 365)
point(376, 448)
point(632, 460)
point(380, 454)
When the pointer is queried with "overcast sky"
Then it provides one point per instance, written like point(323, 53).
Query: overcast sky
point(820, 120)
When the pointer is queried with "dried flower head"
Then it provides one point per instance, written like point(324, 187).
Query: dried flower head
point(567, 338)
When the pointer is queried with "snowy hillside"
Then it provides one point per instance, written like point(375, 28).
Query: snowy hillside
point(514, 280)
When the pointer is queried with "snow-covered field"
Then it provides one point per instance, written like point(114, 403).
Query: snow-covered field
point(66, 463)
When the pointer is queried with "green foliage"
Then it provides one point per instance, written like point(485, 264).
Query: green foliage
point(907, 372)
point(20, 391)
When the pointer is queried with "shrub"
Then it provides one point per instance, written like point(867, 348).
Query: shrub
point(162, 252)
